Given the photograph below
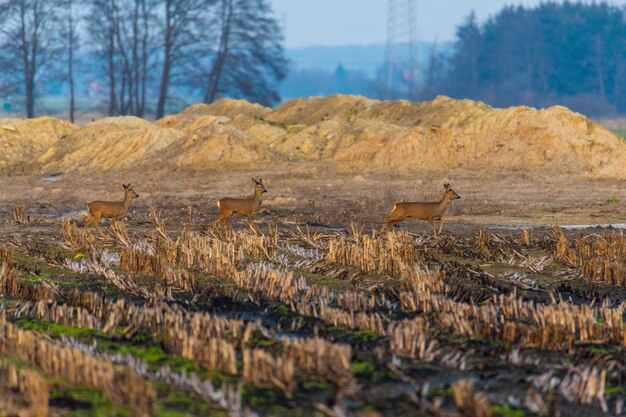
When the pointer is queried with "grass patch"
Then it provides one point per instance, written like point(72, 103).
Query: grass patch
point(54, 329)
point(354, 336)
point(505, 410)
point(615, 390)
point(174, 404)
point(85, 402)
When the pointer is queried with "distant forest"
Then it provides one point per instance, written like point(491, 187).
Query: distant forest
point(567, 53)
point(570, 53)
point(153, 57)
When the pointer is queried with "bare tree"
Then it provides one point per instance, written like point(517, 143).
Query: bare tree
point(28, 31)
point(249, 59)
point(132, 43)
point(70, 37)
point(182, 28)
point(122, 35)
point(100, 20)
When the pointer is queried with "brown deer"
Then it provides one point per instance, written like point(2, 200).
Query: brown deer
point(242, 206)
point(115, 210)
point(429, 211)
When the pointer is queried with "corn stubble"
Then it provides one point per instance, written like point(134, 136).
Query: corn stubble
point(416, 302)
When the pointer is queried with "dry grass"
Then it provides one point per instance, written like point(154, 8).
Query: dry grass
point(31, 384)
point(468, 401)
point(389, 253)
point(121, 385)
point(76, 238)
point(19, 215)
point(319, 357)
point(261, 368)
point(600, 258)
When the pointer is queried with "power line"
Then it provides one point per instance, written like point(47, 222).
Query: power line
point(401, 31)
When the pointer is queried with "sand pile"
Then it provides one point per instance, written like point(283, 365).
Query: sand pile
point(220, 112)
point(352, 133)
point(313, 110)
point(442, 111)
point(211, 146)
point(362, 134)
point(22, 140)
point(109, 143)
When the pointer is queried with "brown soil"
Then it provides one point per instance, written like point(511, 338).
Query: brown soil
point(309, 193)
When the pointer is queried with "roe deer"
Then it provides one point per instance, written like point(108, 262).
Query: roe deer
point(429, 211)
point(115, 210)
point(241, 206)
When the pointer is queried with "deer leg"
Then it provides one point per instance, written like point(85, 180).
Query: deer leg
point(432, 224)
point(440, 225)
point(221, 219)
point(251, 223)
point(96, 219)
point(224, 217)
point(391, 223)
point(391, 220)
point(90, 219)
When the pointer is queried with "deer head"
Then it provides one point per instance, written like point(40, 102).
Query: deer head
point(130, 192)
point(450, 194)
point(259, 189)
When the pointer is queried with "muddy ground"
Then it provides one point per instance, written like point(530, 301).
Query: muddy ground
point(335, 204)
point(309, 193)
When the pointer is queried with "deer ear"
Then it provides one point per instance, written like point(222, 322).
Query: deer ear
point(254, 181)
point(446, 186)
point(260, 180)
point(124, 185)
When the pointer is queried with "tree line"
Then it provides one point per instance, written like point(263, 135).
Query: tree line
point(555, 53)
point(140, 51)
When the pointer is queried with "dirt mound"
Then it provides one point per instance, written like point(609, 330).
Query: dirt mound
point(109, 143)
point(362, 134)
point(230, 108)
point(22, 140)
point(220, 112)
point(442, 111)
point(213, 145)
point(190, 122)
point(352, 133)
point(312, 110)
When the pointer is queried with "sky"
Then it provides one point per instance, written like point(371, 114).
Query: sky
point(364, 22)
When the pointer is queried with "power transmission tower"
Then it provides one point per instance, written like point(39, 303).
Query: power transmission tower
point(401, 55)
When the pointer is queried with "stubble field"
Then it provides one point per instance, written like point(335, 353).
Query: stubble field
point(321, 313)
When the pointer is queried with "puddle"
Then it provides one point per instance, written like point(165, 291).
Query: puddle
point(564, 226)
point(326, 228)
point(72, 212)
point(592, 226)
point(510, 227)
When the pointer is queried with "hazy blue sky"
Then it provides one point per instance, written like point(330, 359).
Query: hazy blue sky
point(362, 22)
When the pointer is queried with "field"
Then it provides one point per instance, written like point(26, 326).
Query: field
point(321, 313)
